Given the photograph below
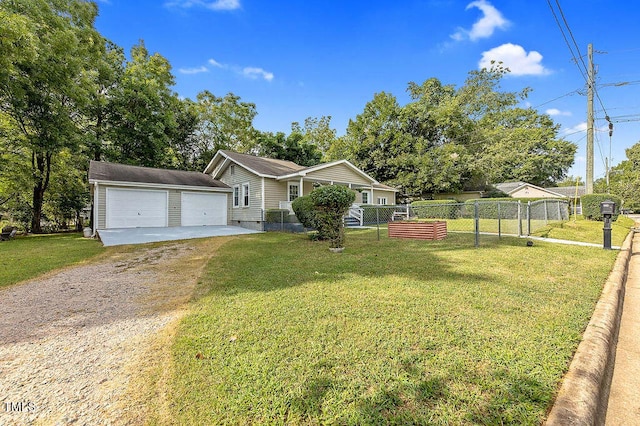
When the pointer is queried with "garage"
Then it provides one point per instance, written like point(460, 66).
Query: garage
point(127, 197)
point(201, 208)
point(136, 208)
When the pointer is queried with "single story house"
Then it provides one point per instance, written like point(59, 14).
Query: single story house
point(260, 184)
point(527, 190)
point(235, 189)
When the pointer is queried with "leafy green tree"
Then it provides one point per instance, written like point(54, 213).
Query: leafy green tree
point(68, 194)
point(144, 111)
point(624, 179)
point(571, 181)
point(316, 132)
point(525, 147)
point(222, 123)
point(52, 45)
point(99, 115)
point(291, 148)
point(448, 139)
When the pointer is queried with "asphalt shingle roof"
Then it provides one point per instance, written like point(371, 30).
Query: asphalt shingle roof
point(264, 166)
point(104, 171)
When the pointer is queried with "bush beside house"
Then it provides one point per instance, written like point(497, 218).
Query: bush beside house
point(331, 203)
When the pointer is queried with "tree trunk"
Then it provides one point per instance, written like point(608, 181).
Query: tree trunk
point(38, 197)
point(41, 166)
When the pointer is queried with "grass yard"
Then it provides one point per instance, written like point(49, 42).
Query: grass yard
point(27, 257)
point(589, 231)
point(388, 332)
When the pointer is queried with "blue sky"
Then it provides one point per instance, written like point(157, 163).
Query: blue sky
point(301, 58)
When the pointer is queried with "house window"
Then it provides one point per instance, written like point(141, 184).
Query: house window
point(365, 198)
point(232, 169)
point(236, 196)
point(294, 191)
point(245, 195)
point(382, 201)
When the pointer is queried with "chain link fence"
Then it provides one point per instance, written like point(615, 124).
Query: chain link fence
point(482, 218)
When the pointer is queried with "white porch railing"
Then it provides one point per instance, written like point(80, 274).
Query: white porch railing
point(357, 213)
point(282, 205)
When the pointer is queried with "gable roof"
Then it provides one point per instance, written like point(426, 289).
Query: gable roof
point(510, 188)
point(568, 191)
point(279, 169)
point(261, 166)
point(102, 171)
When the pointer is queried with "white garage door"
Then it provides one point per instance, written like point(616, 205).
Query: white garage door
point(201, 208)
point(129, 208)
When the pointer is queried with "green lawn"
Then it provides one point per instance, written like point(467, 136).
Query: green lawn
point(589, 231)
point(388, 332)
point(27, 257)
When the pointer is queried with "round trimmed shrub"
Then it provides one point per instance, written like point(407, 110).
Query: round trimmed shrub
point(331, 204)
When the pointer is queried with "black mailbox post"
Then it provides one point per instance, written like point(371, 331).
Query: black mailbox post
point(607, 208)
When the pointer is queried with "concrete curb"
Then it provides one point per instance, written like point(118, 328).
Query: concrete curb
point(583, 395)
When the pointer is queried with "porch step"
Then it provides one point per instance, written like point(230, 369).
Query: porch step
point(351, 222)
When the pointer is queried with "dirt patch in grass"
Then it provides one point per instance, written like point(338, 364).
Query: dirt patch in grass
point(86, 344)
point(153, 368)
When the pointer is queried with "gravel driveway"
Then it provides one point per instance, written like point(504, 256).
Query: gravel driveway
point(68, 341)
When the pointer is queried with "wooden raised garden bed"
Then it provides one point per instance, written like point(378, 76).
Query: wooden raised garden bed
point(433, 230)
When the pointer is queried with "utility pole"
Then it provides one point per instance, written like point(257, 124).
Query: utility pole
point(590, 82)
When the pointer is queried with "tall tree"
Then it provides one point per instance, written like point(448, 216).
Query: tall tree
point(624, 179)
point(291, 148)
point(223, 123)
point(104, 80)
point(51, 46)
point(143, 108)
point(524, 147)
point(316, 131)
point(448, 139)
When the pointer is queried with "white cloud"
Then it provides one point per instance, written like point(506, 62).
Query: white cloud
point(578, 128)
point(554, 111)
point(197, 70)
point(254, 73)
point(516, 59)
point(211, 5)
point(484, 27)
point(216, 64)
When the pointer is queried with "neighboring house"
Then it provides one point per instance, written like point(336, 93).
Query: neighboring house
point(235, 189)
point(569, 191)
point(526, 190)
point(260, 184)
point(139, 197)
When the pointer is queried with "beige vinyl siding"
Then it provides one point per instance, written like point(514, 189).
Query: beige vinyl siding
point(338, 173)
point(274, 193)
point(175, 204)
point(379, 193)
point(530, 192)
point(102, 207)
point(253, 213)
point(307, 188)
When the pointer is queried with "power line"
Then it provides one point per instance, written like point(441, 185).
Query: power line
point(577, 59)
point(566, 40)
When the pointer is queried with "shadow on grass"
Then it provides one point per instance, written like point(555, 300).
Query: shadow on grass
point(273, 261)
point(509, 403)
